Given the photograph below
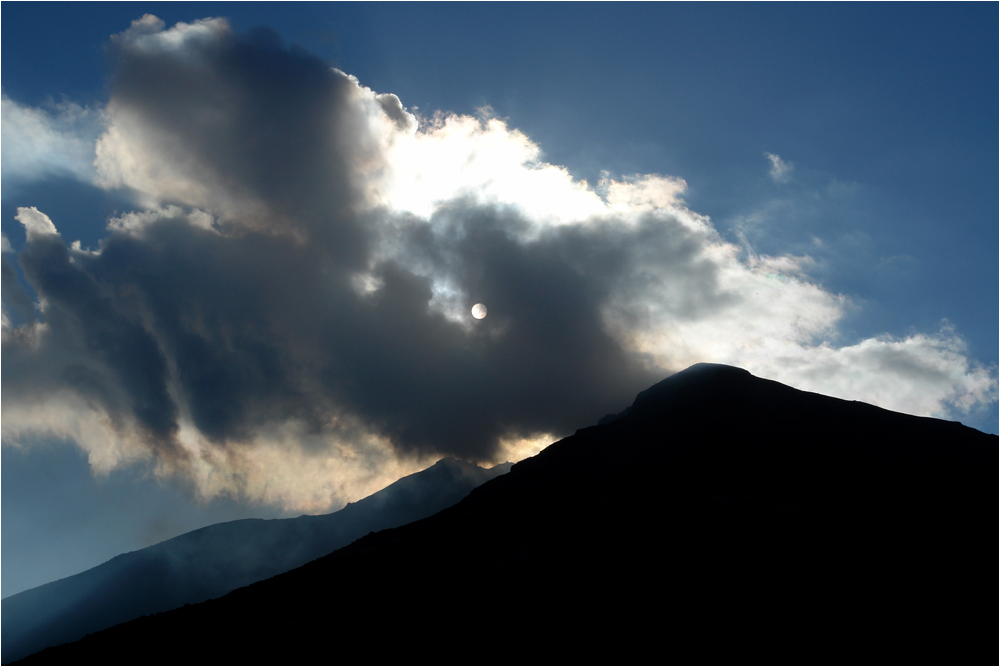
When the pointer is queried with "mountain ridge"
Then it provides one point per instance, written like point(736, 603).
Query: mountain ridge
point(724, 518)
point(213, 560)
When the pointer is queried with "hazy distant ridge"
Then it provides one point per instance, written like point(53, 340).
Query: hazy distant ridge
point(217, 559)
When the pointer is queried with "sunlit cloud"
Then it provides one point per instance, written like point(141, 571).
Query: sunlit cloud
point(55, 140)
point(285, 317)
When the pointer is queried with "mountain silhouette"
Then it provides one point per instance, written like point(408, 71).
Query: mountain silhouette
point(722, 518)
point(212, 561)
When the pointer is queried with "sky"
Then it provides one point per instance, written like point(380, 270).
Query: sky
point(241, 242)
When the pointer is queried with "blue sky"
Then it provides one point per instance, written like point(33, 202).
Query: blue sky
point(840, 157)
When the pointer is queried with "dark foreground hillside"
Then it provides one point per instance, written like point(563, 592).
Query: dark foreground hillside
point(212, 561)
point(722, 519)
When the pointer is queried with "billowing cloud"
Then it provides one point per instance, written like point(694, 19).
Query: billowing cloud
point(286, 313)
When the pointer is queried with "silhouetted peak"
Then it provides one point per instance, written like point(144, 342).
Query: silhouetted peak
point(708, 369)
point(450, 462)
point(692, 377)
point(696, 378)
point(459, 466)
point(456, 466)
point(760, 511)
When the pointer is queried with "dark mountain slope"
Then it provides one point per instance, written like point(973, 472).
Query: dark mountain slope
point(721, 519)
point(215, 560)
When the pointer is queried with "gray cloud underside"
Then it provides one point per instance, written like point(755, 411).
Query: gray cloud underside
point(254, 328)
point(269, 282)
point(253, 325)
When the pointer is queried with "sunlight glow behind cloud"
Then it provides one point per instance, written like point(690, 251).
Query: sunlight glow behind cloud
point(285, 318)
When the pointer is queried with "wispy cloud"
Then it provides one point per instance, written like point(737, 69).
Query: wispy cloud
point(286, 315)
point(781, 171)
point(55, 140)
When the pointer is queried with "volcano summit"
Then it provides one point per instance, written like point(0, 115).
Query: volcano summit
point(720, 518)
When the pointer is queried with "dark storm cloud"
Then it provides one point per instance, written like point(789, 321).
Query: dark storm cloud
point(257, 330)
point(86, 315)
point(253, 119)
point(541, 360)
point(250, 326)
point(275, 307)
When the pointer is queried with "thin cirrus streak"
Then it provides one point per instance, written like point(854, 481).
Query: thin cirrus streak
point(285, 315)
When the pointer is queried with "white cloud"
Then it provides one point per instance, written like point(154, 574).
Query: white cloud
point(923, 374)
point(147, 34)
point(298, 304)
point(36, 224)
point(56, 140)
point(641, 192)
point(780, 170)
point(453, 156)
